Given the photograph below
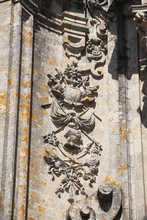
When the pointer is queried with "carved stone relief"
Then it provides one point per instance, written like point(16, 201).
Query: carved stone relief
point(104, 204)
point(72, 97)
point(74, 94)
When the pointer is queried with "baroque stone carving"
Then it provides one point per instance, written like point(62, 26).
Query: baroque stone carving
point(104, 204)
point(74, 35)
point(74, 91)
point(72, 97)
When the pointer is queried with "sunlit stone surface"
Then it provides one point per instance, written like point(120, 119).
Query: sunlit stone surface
point(73, 109)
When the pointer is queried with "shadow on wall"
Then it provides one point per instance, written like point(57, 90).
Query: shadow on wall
point(120, 58)
point(119, 16)
point(144, 108)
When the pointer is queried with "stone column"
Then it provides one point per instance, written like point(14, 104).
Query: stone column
point(9, 67)
point(24, 118)
point(140, 19)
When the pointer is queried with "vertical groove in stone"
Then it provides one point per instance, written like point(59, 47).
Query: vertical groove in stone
point(11, 109)
point(122, 80)
point(30, 124)
point(18, 102)
point(24, 117)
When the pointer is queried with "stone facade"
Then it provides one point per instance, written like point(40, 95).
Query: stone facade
point(73, 109)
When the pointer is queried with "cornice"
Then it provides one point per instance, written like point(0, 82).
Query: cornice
point(52, 21)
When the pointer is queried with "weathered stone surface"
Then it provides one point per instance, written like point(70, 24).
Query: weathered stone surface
point(73, 110)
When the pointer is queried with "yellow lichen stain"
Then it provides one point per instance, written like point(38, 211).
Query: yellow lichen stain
point(114, 130)
point(10, 4)
point(90, 99)
point(34, 195)
point(129, 130)
point(122, 173)
point(36, 181)
point(6, 74)
point(44, 99)
point(34, 117)
point(25, 131)
point(25, 107)
point(26, 84)
point(45, 87)
point(45, 112)
point(22, 210)
point(41, 218)
point(66, 39)
point(27, 97)
point(63, 215)
point(123, 134)
point(24, 170)
point(24, 150)
point(118, 184)
point(25, 117)
point(25, 139)
point(109, 180)
point(43, 183)
point(29, 33)
point(52, 62)
point(36, 72)
point(23, 187)
point(3, 98)
point(42, 156)
point(32, 154)
point(124, 168)
point(23, 160)
point(50, 152)
point(121, 153)
point(1, 207)
point(28, 41)
point(35, 163)
point(33, 171)
point(41, 209)
point(15, 94)
point(13, 72)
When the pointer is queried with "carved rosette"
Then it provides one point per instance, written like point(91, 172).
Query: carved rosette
point(74, 91)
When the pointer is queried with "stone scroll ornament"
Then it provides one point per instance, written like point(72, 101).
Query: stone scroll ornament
point(105, 204)
point(73, 161)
